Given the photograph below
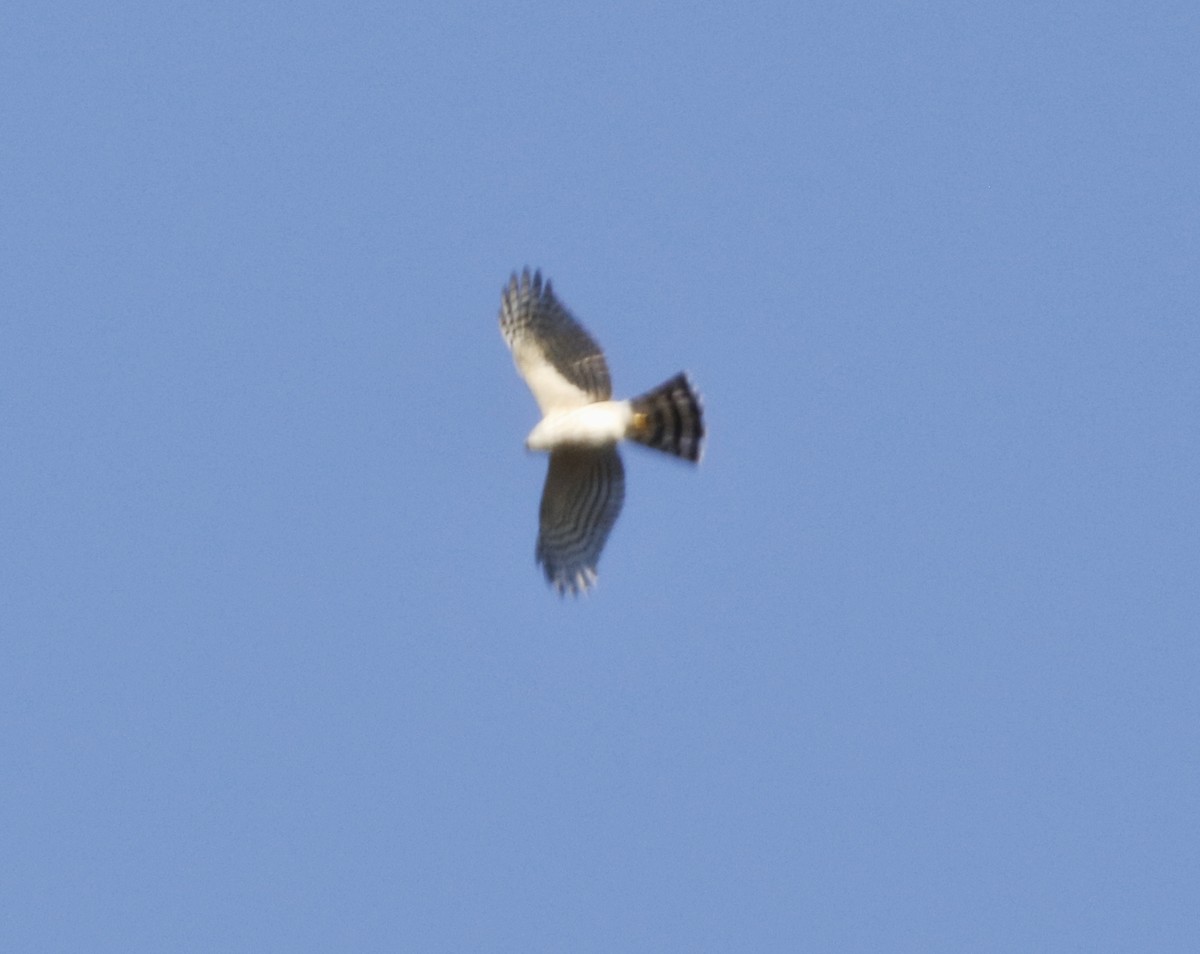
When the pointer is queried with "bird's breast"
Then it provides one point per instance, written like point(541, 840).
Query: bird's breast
point(592, 425)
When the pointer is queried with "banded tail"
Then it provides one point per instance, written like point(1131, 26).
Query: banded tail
point(670, 418)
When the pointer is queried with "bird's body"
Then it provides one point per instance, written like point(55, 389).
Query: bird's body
point(593, 425)
point(581, 426)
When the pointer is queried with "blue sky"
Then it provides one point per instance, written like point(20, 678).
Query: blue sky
point(908, 664)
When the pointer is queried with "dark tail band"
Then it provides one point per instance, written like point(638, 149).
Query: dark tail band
point(670, 418)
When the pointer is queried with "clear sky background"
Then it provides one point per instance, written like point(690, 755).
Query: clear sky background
point(909, 663)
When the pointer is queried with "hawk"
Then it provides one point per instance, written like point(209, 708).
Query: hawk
point(581, 426)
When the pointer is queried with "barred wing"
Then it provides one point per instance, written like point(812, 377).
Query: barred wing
point(585, 488)
point(559, 360)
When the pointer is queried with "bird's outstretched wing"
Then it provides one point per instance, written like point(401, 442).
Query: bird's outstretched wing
point(561, 363)
point(585, 488)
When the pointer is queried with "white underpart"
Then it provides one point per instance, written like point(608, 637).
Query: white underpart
point(593, 425)
point(552, 391)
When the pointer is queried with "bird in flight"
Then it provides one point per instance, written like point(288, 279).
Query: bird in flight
point(581, 426)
